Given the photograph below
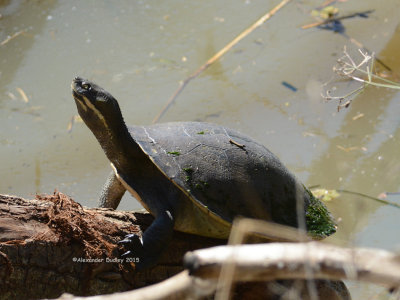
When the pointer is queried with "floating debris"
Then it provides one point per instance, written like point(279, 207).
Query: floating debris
point(347, 149)
point(329, 19)
point(23, 95)
point(325, 195)
point(9, 38)
point(289, 86)
point(74, 119)
point(11, 95)
point(327, 12)
point(359, 116)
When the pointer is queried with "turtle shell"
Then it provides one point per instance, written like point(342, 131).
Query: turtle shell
point(222, 171)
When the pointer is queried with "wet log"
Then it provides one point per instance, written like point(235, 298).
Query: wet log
point(52, 245)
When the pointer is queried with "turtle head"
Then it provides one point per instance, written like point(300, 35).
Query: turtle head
point(97, 108)
point(101, 113)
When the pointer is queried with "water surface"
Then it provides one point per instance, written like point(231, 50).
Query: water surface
point(141, 50)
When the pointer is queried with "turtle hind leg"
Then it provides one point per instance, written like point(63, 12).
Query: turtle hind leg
point(145, 251)
point(112, 192)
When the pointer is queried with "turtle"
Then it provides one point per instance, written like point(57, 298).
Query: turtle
point(193, 177)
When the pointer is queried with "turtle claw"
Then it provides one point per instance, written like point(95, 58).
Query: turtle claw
point(130, 236)
point(126, 254)
point(133, 246)
point(131, 242)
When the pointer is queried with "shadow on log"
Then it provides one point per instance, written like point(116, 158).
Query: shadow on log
point(52, 245)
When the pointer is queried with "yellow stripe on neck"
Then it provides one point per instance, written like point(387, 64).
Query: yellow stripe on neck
point(95, 110)
point(81, 104)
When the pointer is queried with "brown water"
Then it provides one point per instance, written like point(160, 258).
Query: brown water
point(140, 50)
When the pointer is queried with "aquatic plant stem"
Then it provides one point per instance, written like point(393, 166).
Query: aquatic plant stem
point(347, 67)
point(383, 201)
point(218, 55)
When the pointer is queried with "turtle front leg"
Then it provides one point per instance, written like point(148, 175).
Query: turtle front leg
point(112, 192)
point(146, 250)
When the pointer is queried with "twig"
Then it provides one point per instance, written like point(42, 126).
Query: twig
point(266, 262)
point(180, 286)
point(363, 195)
point(328, 2)
point(352, 40)
point(288, 260)
point(242, 228)
point(387, 202)
point(218, 55)
point(9, 38)
point(233, 142)
point(23, 94)
point(335, 19)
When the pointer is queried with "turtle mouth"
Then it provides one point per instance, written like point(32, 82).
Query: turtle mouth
point(77, 92)
point(77, 89)
point(76, 85)
point(77, 98)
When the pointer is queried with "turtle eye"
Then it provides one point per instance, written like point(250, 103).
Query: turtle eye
point(86, 86)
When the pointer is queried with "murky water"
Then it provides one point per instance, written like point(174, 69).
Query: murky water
point(140, 50)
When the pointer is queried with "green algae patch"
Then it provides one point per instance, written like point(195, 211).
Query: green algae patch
point(319, 221)
point(189, 173)
point(176, 153)
point(188, 170)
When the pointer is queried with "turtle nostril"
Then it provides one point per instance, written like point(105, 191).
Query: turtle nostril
point(78, 79)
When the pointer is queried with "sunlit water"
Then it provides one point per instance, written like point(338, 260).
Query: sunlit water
point(141, 50)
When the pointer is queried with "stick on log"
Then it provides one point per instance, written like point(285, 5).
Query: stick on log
point(290, 260)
